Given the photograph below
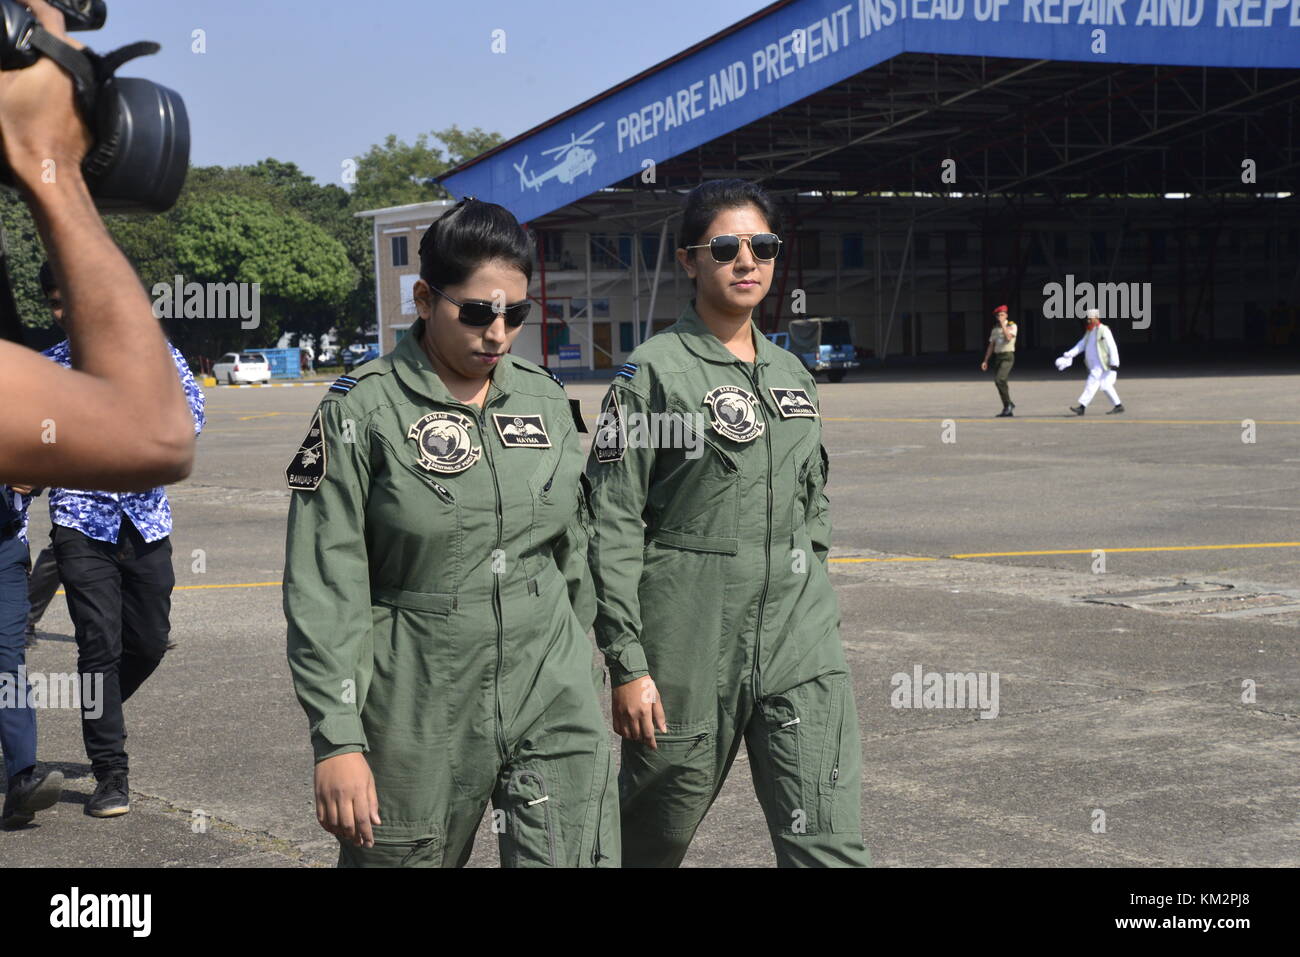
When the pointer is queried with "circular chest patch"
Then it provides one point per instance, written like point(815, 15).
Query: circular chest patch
point(444, 442)
point(734, 413)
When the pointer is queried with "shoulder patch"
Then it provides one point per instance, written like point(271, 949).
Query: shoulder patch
point(627, 372)
point(610, 441)
point(344, 384)
point(307, 469)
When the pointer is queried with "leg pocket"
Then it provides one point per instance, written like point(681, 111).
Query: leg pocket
point(530, 837)
point(781, 755)
point(667, 789)
point(804, 753)
point(397, 844)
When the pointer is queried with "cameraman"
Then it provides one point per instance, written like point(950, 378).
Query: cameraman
point(106, 423)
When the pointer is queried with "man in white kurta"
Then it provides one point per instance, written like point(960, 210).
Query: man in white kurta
point(1102, 356)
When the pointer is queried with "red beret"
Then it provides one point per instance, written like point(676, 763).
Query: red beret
point(1002, 309)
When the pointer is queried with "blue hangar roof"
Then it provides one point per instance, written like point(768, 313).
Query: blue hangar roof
point(794, 49)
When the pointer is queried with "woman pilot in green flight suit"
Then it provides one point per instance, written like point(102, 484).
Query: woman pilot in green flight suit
point(436, 584)
point(714, 608)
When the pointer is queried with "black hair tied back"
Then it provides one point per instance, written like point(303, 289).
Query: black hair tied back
point(705, 201)
point(468, 235)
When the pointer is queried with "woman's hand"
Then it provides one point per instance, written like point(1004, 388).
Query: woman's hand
point(984, 366)
point(637, 711)
point(346, 803)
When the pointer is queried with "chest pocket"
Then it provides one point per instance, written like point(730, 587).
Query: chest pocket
point(694, 500)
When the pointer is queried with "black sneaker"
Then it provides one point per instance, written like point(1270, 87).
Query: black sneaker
point(1078, 409)
point(1004, 413)
point(28, 793)
point(111, 797)
point(1119, 408)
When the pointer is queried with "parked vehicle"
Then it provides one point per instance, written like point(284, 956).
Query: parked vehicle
point(353, 357)
point(823, 344)
point(235, 368)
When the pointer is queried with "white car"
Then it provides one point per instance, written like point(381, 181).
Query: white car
point(237, 367)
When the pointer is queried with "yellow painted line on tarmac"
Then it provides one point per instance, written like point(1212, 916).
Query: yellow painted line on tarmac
point(232, 585)
point(1077, 551)
point(258, 415)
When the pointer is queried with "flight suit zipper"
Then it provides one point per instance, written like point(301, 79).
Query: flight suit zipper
point(496, 582)
point(498, 717)
point(756, 677)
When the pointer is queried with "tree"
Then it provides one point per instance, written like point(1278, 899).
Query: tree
point(302, 270)
point(398, 173)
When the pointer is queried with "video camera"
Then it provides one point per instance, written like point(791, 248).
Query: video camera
point(140, 154)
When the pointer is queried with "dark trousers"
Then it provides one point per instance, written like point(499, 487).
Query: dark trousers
point(119, 598)
point(42, 583)
point(17, 721)
point(1002, 363)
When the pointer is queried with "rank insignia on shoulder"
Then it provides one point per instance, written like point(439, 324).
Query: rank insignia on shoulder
point(794, 403)
point(558, 380)
point(344, 384)
point(443, 441)
point(522, 431)
point(610, 441)
point(307, 469)
point(734, 413)
point(628, 370)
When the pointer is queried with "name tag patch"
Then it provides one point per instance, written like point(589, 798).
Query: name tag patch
point(444, 442)
point(734, 413)
point(307, 469)
point(794, 403)
point(522, 431)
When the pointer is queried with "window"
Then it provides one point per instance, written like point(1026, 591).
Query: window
point(1156, 238)
point(1098, 247)
point(625, 334)
point(611, 252)
point(399, 251)
point(809, 249)
point(851, 251)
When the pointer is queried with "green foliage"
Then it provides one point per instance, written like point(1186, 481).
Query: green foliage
point(396, 173)
point(269, 223)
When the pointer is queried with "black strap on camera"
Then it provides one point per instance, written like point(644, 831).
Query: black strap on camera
point(89, 70)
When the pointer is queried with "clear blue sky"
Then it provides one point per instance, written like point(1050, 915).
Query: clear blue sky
point(315, 82)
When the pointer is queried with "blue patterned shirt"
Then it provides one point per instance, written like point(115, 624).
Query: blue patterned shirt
point(98, 515)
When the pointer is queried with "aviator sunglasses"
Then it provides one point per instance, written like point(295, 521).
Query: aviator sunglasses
point(480, 312)
point(726, 247)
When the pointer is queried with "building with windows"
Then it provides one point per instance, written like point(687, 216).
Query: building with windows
point(931, 161)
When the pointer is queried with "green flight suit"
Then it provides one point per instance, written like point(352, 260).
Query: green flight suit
point(438, 600)
point(710, 576)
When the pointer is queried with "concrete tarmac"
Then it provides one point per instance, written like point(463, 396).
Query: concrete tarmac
point(1132, 580)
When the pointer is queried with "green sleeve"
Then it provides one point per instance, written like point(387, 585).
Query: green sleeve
point(327, 589)
point(571, 550)
point(620, 486)
point(818, 512)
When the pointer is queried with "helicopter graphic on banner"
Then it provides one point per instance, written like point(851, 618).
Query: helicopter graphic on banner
point(571, 161)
